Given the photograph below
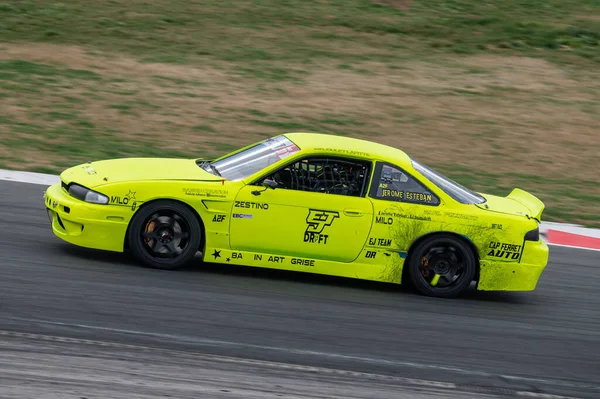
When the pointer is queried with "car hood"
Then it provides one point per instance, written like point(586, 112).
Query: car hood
point(518, 202)
point(98, 173)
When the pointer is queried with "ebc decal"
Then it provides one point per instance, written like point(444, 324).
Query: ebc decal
point(242, 216)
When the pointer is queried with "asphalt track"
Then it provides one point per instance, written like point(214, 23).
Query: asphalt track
point(60, 305)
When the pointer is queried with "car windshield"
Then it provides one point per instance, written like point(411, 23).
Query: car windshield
point(253, 159)
point(450, 187)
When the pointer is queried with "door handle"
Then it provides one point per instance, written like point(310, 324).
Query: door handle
point(352, 212)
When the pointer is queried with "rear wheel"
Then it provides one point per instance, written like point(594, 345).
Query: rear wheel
point(164, 235)
point(442, 266)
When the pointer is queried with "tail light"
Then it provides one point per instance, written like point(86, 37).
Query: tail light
point(533, 235)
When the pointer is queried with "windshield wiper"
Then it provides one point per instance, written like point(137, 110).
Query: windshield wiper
point(214, 169)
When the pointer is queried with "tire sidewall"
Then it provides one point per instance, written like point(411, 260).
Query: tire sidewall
point(136, 243)
point(468, 275)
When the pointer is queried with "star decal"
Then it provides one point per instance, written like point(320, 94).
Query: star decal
point(130, 195)
point(227, 259)
point(216, 254)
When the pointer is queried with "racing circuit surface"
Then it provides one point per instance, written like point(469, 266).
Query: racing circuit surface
point(82, 323)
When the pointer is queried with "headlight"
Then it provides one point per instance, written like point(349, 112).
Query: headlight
point(87, 195)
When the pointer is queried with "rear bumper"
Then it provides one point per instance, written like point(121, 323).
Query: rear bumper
point(513, 276)
point(86, 225)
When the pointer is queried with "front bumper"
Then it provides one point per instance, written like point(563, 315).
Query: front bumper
point(84, 224)
point(513, 276)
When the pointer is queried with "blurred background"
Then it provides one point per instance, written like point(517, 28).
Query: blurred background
point(495, 94)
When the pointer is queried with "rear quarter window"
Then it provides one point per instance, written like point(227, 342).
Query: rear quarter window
point(391, 183)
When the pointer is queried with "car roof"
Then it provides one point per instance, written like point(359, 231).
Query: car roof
point(347, 145)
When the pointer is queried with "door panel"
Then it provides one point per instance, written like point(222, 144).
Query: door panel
point(403, 208)
point(300, 223)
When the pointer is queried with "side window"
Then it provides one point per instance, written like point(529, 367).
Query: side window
point(393, 184)
point(325, 175)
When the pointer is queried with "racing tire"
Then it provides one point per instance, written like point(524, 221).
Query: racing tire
point(164, 235)
point(442, 266)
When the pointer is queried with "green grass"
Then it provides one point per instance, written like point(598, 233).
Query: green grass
point(205, 128)
point(267, 30)
point(14, 69)
point(496, 94)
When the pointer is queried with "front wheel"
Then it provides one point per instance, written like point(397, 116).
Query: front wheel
point(442, 266)
point(164, 235)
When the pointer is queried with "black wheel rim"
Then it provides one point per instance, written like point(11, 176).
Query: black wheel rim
point(165, 234)
point(442, 266)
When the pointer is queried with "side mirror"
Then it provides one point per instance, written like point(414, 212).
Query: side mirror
point(267, 184)
point(270, 183)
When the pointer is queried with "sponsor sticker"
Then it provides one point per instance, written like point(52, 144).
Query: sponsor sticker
point(242, 216)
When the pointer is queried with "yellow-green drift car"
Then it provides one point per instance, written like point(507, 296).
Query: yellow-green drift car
point(306, 202)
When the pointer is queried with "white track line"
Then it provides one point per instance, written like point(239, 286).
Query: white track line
point(28, 177)
point(572, 246)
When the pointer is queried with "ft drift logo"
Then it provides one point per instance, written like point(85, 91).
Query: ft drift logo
point(316, 221)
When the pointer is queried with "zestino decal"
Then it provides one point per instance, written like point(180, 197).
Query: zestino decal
point(251, 205)
point(504, 250)
point(316, 222)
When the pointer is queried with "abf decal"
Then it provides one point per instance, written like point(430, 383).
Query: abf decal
point(316, 221)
